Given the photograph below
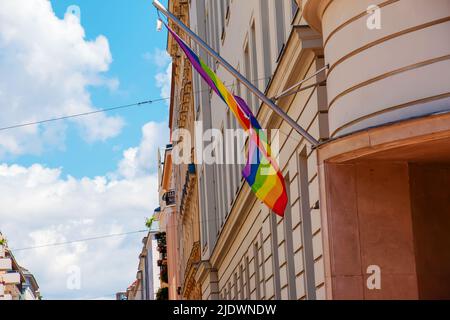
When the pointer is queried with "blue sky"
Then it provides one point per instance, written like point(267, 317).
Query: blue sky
point(129, 27)
point(91, 176)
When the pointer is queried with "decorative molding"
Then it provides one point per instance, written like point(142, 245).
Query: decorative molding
point(189, 187)
point(385, 137)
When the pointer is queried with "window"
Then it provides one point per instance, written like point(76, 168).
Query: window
point(280, 25)
point(224, 181)
point(247, 278)
point(241, 282)
point(266, 47)
point(219, 181)
point(248, 73)
point(209, 32)
point(294, 8)
point(235, 287)
point(238, 151)
point(257, 277)
point(306, 226)
point(275, 257)
point(216, 27)
point(197, 94)
point(203, 212)
point(223, 12)
point(254, 66)
point(262, 273)
point(289, 251)
point(230, 153)
point(224, 15)
point(238, 88)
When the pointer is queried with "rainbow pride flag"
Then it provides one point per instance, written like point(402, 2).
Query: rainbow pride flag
point(261, 171)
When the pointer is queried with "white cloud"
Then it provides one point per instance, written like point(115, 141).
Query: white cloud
point(163, 62)
point(39, 206)
point(163, 82)
point(137, 161)
point(46, 66)
point(160, 58)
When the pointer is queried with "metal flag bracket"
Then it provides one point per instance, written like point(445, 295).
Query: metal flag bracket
point(236, 74)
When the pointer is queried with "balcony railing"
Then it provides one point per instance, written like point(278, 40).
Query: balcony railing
point(169, 197)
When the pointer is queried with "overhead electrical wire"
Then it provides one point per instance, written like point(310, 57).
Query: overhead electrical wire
point(83, 114)
point(126, 106)
point(56, 244)
point(81, 240)
point(76, 115)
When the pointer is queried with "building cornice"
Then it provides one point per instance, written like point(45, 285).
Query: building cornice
point(313, 11)
point(385, 137)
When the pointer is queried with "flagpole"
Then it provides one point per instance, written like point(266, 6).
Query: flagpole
point(236, 74)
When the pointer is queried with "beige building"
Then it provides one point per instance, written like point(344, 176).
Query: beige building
point(368, 213)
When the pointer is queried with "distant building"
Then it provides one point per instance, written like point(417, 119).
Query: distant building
point(16, 282)
point(30, 288)
point(120, 296)
point(181, 197)
point(148, 266)
point(168, 225)
point(246, 251)
point(133, 291)
point(147, 280)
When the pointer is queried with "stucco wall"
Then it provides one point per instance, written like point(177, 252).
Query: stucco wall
point(369, 224)
point(398, 71)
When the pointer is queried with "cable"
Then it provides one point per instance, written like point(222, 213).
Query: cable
point(99, 111)
point(99, 237)
point(81, 240)
point(77, 115)
point(81, 114)
point(176, 225)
